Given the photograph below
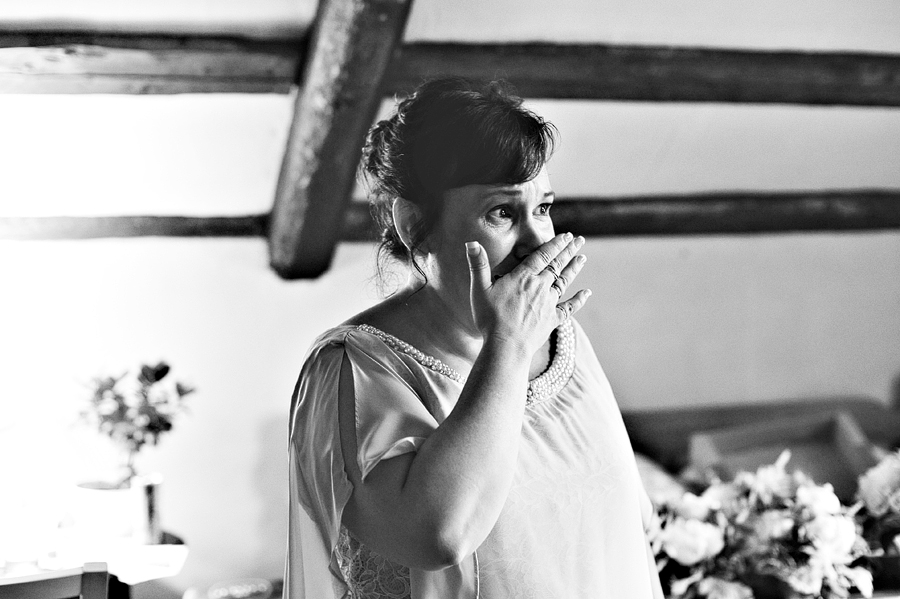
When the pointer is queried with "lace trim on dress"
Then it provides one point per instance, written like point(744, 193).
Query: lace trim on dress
point(541, 388)
point(367, 574)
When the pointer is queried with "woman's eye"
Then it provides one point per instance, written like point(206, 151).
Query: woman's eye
point(501, 212)
point(544, 209)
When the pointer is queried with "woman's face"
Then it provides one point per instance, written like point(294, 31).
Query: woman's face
point(509, 221)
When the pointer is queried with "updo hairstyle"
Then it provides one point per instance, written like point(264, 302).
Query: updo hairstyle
point(449, 133)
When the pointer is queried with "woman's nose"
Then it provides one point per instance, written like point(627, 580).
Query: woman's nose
point(532, 235)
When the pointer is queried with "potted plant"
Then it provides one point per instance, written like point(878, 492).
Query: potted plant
point(133, 412)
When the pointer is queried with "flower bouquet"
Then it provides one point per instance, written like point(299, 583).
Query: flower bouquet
point(768, 534)
point(135, 412)
point(879, 515)
point(879, 493)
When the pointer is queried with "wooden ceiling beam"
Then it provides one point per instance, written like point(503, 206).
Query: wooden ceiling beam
point(96, 227)
point(690, 214)
point(80, 63)
point(660, 74)
point(84, 63)
point(351, 45)
point(726, 213)
point(719, 213)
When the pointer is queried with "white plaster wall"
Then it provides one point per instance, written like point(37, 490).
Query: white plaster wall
point(676, 321)
point(224, 321)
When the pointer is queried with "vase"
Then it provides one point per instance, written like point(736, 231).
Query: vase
point(109, 512)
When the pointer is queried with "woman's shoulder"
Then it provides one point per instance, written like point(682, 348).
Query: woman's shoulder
point(340, 334)
point(361, 333)
point(383, 315)
point(334, 342)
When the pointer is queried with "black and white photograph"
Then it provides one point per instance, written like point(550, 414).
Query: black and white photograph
point(449, 299)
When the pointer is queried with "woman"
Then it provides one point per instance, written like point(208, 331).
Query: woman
point(460, 439)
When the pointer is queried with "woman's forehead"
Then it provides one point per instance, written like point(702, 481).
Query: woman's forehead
point(538, 186)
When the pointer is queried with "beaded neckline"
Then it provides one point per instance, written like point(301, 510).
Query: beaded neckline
point(542, 387)
point(420, 357)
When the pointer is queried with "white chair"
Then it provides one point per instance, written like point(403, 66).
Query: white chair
point(88, 582)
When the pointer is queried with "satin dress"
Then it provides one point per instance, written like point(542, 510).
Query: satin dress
point(572, 527)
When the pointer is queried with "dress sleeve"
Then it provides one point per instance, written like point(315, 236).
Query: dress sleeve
point(390, 420)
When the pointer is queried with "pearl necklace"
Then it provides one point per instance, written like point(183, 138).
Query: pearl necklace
point(541, 388)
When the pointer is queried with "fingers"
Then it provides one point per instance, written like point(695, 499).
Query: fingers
point(566, 309)
point(479, 268)
point(568, 274)
point(563, 261)
point(541, 258)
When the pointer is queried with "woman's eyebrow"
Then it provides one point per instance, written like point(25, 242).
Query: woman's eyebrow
point(517, 192)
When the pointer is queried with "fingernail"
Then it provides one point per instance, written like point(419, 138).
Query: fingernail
point(579, 241)
point(581, 258)
point(567, 237)
point(472, 248)
point(589, 292)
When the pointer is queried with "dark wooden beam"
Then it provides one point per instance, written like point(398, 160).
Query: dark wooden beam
point(603, 72)
point(351, 46)
point(76, 63)
point(84, 63)
point(698, 214)
point(92, 227)
point(732, 213)
point(701, 214)
point(102, 63)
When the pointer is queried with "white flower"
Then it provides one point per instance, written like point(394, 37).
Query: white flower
point(718, 588)
point(808, 579)
point(132, 400)
point(679, 587)
point(878, 484)
point(691, 541)
point(861, 579)
point(773, 481)
point(108, 406)
point(832, 537)
point(773, 524)
point(692, 507)
point(718, 495)
point(820, 500)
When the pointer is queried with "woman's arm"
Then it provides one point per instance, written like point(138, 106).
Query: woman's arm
point(432, 508)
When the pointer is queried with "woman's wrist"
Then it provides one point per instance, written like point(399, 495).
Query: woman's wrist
point(507, 347)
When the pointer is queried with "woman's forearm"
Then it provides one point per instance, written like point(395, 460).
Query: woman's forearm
point(460, 477)
point(432, 508)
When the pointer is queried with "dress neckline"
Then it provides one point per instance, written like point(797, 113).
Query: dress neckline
point(542, 387)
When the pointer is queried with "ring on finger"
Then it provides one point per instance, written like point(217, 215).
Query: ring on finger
point(556, 286)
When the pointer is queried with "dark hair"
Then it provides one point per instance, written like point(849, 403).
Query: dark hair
point(449, 133)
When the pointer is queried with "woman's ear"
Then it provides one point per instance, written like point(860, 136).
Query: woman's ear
point(406, 217)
